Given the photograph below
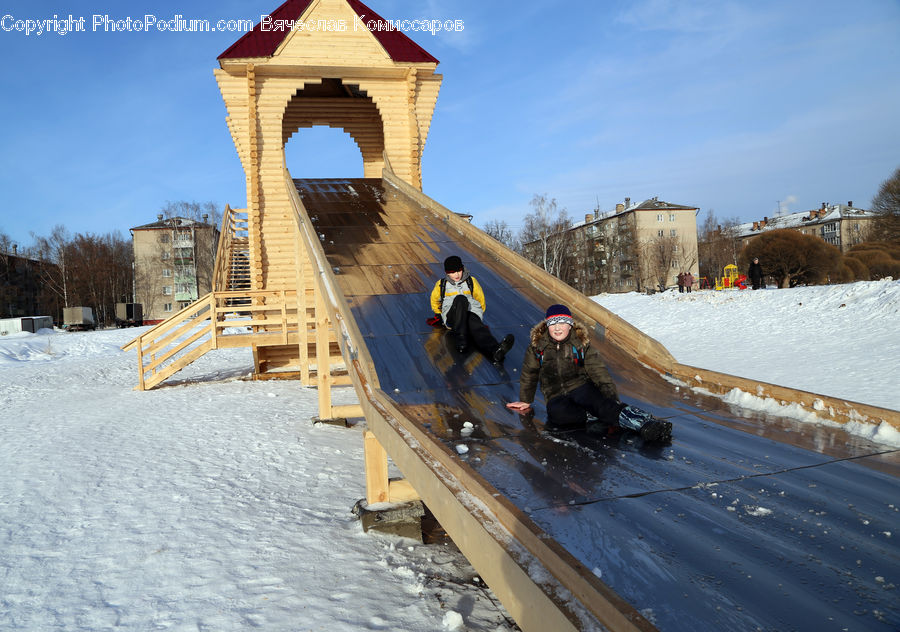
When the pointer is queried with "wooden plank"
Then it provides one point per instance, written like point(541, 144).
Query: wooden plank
point(170, 352)
point(833, 408)
point(323, 361)
point(176, 366)
point(401, 491)
point(347, 410)
point(169, 323)
point(377, 484)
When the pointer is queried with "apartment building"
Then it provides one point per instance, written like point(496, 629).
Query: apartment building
point(841, 225)
point(25, 286)
point(173, 264)
point(638, 247)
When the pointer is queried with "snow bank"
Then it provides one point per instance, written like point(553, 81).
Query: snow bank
point(838, 340)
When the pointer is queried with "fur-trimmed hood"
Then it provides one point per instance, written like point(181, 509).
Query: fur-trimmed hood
point(540, 337)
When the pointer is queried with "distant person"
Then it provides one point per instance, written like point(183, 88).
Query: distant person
point(756, 274)
point(681, 282)
point(688, 281)
point(575, 381)
point(457, 301)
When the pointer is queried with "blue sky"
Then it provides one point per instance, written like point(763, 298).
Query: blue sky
point(745, 108)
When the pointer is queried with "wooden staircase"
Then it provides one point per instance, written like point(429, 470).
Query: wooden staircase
point(216, 321)
point(232, 272)
point(235, 315)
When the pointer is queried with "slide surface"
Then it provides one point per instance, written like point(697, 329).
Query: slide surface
point(741, 523)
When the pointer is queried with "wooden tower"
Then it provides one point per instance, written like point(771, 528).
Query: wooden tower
point(318, 62)
point(311, 62)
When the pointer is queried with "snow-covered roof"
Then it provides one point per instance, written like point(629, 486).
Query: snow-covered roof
point(828, 213)
point(169, 222)
point(655, 204)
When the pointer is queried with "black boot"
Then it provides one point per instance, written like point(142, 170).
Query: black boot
point(503, 348)
point(657, 430)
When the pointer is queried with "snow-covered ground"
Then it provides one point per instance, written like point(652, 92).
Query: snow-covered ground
point(837, 340)
point(215, 503)
point(207, 506)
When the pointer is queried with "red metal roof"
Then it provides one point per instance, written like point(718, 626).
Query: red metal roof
point(260, 43)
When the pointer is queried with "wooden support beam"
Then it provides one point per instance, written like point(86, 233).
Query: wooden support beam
point(377, 483)
point(323, 361)
point(347, 410)
point(401, 490)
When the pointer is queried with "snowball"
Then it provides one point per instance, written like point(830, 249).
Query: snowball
point(452, 621)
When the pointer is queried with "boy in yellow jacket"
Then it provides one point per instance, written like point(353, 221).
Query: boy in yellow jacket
point(458, 301)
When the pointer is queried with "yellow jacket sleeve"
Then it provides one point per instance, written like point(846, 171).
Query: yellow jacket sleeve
point(436, 298)
point(478, 294)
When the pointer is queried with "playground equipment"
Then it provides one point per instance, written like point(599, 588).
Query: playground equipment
point(730, 279)
point(327, 282)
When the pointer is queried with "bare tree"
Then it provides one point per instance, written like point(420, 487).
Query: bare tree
point(101, 272)
point(206, 212)
point(609, 255)
point(500, 230)
point(545, 236)
point(661, 260)
point(685, 254)
point(54, 249)
point(886, 204)
point(717, 244)
point(7, 291)
point(6, 243)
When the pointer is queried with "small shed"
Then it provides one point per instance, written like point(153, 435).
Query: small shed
point(30, 324)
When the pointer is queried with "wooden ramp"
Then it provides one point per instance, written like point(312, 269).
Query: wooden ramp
point(575, 533)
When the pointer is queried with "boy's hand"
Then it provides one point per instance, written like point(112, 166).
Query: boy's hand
point(435, 321)
point(519, 406)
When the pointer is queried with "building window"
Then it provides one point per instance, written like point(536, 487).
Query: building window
point(167, 307)
point(675, 264)
point(671, 217)
point(167, 272)
point(167, 290)
point(672, 232)
point(165, 255)
point(659, 217)
point(674, 247)
point(164, 239)
point(660, 233)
